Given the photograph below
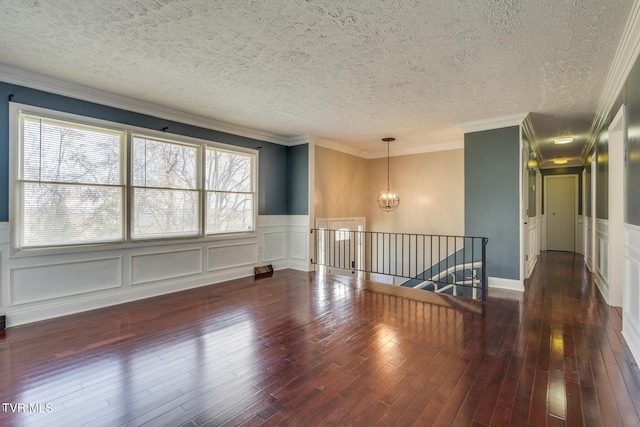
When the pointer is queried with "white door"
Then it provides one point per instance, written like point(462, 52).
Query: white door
point(560, 211)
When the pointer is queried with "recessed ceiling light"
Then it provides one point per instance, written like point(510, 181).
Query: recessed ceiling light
point(565, 140)
point(560, 161)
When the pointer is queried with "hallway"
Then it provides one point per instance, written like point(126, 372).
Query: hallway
point(569, 355)
point(303, 349)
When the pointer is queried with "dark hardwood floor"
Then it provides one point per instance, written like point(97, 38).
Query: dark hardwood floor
point(295, 349)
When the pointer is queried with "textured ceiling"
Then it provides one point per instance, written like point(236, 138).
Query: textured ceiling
point(352, 72)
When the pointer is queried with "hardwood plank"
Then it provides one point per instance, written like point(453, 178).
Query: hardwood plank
point(295, 349)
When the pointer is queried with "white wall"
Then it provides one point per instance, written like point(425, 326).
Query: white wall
point(533, 244)
point(35, 288)
point(631, 297)
point(601, 257)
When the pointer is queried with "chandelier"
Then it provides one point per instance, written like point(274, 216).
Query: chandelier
point(388, 200)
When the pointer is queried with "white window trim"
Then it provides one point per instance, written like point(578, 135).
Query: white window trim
point(15, 202)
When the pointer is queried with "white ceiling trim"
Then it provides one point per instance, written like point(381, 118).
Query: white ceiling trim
point(60, 87)
point(626, 56)
point(336, 146)
point(299, 140)
point(493, 123)
point(407, 151)
point(454, 145)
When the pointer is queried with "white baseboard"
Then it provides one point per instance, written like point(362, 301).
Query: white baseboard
point(602, 285)
point(509, 284)
point(632, 338)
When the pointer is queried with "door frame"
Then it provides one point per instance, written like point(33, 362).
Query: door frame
point(359, 249)
point(575, 206)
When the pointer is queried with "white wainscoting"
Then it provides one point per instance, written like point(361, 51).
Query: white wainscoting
point(50, 281)
point(588, 232)
point(602, 257)
point(533, 244)
point(34, 288)
point(284, 241)
point(580, 235)
point(225, 255)
point(159, 266)
point(298, 254)
point(631, 298)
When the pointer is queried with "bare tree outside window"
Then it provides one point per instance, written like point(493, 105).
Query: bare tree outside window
point(75, 189)
point(72, 185)
point(166, 197)
point(229, 185)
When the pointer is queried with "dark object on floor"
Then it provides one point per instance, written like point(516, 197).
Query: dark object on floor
point(264, 271)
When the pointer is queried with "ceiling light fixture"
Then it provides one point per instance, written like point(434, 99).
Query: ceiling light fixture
point(565, 140)
point(388, 200)
point(560, 161)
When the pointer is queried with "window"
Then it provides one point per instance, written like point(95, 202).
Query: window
point(75, 185)
point(230, 197)
point(72, 183)
point(165, 194)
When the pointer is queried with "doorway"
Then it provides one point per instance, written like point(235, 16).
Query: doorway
point(561, 207)
point(341, 246)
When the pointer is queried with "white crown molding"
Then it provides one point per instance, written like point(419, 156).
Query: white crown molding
point(16, 76)
point(337, 146)
point(623, 61)
point(298, 140)
point(493, 123)
point(407, 151)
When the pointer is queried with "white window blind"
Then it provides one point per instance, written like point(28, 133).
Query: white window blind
point(71, 183)
point(91, 182)
point(230, 191)
point(166, 196)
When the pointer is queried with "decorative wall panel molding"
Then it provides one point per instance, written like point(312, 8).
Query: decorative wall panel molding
point(588, 241)
point(234, 255)
point(602, 257)
point(39, 287)
point(275, 245)
point(533, 249)
point(580, 235)
point(46, 282)
point(631, 298)
point(153, 267)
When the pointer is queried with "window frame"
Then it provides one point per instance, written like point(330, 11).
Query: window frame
point(131, 186)
point(21, 181)
point(253, 185)
point(16, 192)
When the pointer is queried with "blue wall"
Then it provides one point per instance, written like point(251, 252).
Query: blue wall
point(298, 180)
point(275, 193)
point(630, 96)
point(492, 192)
